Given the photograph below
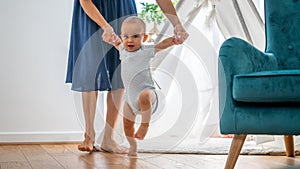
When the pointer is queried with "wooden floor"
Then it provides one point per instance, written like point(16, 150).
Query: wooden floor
point(66, 156)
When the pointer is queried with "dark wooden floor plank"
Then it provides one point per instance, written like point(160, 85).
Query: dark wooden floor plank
point(39, 158)
point(65, 157)
point(11, 157)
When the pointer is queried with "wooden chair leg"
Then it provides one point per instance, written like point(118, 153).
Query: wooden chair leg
point(235, 149)
point(289, 145)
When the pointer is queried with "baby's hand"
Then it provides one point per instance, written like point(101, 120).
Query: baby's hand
point(169, 41)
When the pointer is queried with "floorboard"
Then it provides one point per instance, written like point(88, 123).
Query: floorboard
point(66, 156)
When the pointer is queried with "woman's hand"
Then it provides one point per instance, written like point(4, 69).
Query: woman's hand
point(109, 35)
point(180, 34)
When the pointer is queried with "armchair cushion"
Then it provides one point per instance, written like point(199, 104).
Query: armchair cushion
point(267, 86)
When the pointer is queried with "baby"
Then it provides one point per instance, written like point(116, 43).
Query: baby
point(140, 94)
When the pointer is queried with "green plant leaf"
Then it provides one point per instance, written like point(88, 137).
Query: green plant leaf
point(151, 12)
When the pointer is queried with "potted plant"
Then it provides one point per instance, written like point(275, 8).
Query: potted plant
point(151, 13)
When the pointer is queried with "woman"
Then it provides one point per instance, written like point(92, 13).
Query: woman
point(93, 64)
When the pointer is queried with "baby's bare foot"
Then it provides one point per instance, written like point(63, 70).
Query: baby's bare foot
point(132, 150)
point(142, 131)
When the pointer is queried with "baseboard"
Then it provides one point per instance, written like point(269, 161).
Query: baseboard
point(41, 137)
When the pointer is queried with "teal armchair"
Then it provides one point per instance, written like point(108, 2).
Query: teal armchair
point(259, 92)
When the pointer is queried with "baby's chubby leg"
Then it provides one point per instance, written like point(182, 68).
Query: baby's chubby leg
point(128, 121)
point(146, 99)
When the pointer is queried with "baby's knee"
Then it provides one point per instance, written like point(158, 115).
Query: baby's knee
point(145, 97)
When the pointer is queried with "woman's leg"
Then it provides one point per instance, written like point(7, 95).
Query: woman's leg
point(89, 100)
point(114, 101)
point(146, 99)
point(128, 121)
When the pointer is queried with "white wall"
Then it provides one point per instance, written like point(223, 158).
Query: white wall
point(35, 103)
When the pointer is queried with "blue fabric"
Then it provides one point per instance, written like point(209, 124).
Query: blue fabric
point(282, 32)
point(259, 90)
point(92, 63)
point(267, 86)
point(267, 119)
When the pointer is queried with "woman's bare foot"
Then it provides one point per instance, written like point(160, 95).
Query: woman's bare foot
point(112, 147)
point(87, 144)
point(142, 131)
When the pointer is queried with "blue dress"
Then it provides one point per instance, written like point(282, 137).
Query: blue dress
point(93, 64)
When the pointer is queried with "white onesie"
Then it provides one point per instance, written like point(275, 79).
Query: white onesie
point(136, 74)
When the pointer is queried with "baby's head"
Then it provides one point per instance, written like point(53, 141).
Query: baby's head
point(133, 33)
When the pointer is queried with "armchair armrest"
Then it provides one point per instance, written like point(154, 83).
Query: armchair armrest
point(237, 56)
point(241, 57)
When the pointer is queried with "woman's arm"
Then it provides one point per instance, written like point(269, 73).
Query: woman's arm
point(168, 9)
point(91, 10)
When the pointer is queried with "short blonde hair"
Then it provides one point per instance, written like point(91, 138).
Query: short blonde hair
point(135, 19)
